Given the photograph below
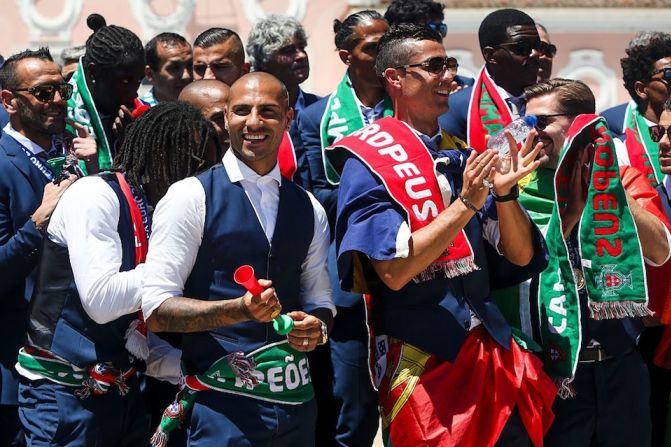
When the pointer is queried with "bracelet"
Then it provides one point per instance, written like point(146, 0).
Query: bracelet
point(468, 203)
point(512, 195)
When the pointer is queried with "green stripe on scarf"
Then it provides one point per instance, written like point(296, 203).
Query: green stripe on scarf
point(609, 249)
point(643, 152)
point(82, 110)
point(274, 373)
point(342, 116)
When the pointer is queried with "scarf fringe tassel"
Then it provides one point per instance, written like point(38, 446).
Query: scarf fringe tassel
point(448, 269)
point(565, 388)
point(610, 310)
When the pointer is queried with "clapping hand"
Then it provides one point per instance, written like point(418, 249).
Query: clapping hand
point(519, 164)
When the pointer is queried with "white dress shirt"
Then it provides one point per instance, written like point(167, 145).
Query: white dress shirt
point(179, 223)
point(35, 149)
point(85, 221)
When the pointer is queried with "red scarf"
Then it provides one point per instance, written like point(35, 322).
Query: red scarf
point(396, 155)
point(487, 111)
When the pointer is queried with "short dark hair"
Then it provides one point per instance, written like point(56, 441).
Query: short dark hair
point(8, 78)
point(344, 31)
point(494, 28)
point(168, 39)
point(111, 46)
point(390, 50)
point(173, 126)
point(72, 54)
point(573, 97)
point(643, 51)
point(215, 36)
point(419, 12)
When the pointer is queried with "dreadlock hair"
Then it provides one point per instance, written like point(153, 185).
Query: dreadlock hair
point(166, 39)
point(494, 28)
point(392, 51)
point(345, 39)
point(165, 144)
point(111, 46)
point(643, 51)
point(8, 78)
point(419, 12)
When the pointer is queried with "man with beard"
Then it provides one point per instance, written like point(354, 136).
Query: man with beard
point(347, 401)
point(169, 67)
point(105, 85)
point(611, 222)
point(210, 96)
point(276, 45)
point(247, 385)
point(34, 94)
point(510, 47)
point(218, 54)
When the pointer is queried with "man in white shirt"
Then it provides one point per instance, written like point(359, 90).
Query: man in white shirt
point(33, 94)
point(85, 338)
point(247, 384)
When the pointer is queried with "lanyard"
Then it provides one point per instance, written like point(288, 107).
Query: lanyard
point(42, 167)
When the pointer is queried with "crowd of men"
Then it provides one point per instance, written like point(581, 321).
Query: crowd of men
point(397, 272)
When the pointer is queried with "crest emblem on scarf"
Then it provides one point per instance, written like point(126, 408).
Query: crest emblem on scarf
point(611, 280)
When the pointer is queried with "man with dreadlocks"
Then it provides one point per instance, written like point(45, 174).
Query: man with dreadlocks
point(85, 336)
point(105, 84)
point(247, 383)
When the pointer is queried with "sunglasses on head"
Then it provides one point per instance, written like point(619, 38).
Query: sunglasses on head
point(657, 132)
point(440, 28)
point(525, 47)
point(436, 65)
point(544, 121)
point(46, 92)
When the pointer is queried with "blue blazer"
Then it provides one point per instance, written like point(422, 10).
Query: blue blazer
point(455, 120)
point(302, 176)
point(21, 188)
point(615, 119)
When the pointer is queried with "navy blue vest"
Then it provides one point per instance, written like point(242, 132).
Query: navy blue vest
point(58, 322)
point(232, 237)
point(435, 315)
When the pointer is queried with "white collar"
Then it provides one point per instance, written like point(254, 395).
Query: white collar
point(237, 170)
point(25, 141)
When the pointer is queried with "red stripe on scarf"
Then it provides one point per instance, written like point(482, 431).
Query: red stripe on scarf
point(476, 126)
point(286, 157)
point(467, 403)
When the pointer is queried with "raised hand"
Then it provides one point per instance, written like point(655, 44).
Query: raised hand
point(479, 167)
point(520, 164)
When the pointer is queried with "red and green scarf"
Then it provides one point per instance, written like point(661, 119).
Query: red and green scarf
point(342, 116)
point(286, 157)
point(399, 158)
point(643, 152)
point(487, 111)
point(612, 268)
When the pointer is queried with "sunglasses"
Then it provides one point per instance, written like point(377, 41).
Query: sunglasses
point(657, 132)
point(547, 49)
point(525, 47)
point(440, 28)
point(666, 77)
point(46, 92)
point(436, 65)
point(544, 121)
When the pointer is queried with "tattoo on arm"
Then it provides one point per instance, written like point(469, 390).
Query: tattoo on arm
point(180, 314)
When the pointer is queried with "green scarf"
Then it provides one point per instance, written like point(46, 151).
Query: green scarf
point(82, 110)
point(342, 116)
point(274, 373)
point(612, 267)
point(643, 152)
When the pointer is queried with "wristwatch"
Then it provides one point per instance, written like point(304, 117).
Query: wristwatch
point(325, 335)
point(512, 195)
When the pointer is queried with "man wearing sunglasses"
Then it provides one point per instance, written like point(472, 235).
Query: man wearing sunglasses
point(511, 48)
point(413, 228)
point(218, 54)
point(605, 385)
point(34, 95)
point(547, 53)
point(647, 81)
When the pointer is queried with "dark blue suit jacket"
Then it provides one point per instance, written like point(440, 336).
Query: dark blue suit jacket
point(4, 118)
point(21, 188)
point(302, 176)
point(615, 119)
point(455, 120)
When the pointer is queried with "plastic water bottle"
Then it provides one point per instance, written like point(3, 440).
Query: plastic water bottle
point(519, 129)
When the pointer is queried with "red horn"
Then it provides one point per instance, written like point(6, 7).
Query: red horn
point(244, 275)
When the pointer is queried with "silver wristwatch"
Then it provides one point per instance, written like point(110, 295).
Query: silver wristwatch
point(325, 335)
